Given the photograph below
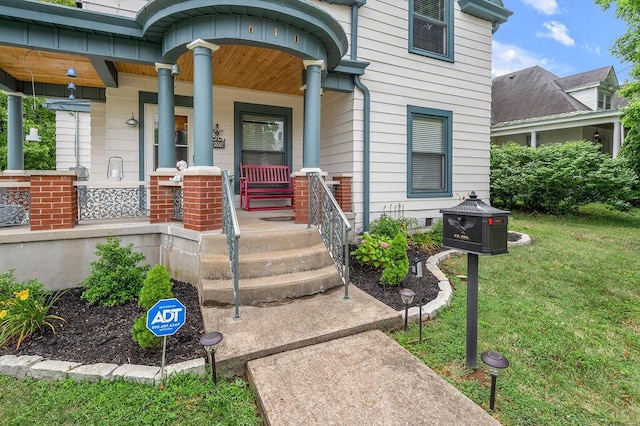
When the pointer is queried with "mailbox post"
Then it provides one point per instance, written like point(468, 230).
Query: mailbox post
point(476, 228)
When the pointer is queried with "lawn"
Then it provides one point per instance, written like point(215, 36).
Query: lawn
point(185, 400)
point(564, 310)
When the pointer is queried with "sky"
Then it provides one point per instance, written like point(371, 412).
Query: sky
point(565, 37)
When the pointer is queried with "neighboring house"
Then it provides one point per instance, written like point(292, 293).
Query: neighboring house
point(396, 94)
point(534, 107)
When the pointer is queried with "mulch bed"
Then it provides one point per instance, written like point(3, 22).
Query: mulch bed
point(94, 334)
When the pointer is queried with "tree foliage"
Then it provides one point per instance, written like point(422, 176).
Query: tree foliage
point(559, 178)
point(37, 155)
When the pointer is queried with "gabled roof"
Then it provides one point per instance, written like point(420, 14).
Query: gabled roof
point(532, 92)
point(589, 78)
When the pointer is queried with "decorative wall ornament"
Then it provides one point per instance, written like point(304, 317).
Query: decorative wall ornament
point(218, 140)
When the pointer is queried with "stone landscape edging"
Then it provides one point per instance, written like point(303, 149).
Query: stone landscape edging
point(431, 309)
point(38, 368)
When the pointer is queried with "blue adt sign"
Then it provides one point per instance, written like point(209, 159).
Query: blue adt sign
point(166, 317)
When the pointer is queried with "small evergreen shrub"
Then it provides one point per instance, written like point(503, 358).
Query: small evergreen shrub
point(372, 251)
point(157, 286)
point(397, 267)
point(115, 277)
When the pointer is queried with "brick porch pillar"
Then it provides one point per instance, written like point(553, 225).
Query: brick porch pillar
point(54, 200)
point(161, 196)
point(343, 191)
point(301, 194)
point(202, 192)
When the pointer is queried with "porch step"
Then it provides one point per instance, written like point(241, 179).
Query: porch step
point(272, 266)
point(276, 288)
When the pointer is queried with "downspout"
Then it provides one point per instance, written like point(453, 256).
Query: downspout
point(366, 154)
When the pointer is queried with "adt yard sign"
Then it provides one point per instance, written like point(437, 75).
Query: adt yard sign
point(166, 317)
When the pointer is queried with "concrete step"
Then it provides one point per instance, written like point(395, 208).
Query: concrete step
point(254, 291)
point(265, 264)
point(262, 241)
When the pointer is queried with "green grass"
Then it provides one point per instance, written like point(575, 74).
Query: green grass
point(565, 311)
point(185, 400)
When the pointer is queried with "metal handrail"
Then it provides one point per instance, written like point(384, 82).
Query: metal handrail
point(333, 225)
point(231, 228)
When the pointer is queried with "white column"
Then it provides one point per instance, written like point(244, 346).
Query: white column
point(534, 142)
point(617, 138)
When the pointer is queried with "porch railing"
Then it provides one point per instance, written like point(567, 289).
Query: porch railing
point(333, 225)
point(112, 200)
point(14, 203)
point(178, 203)
point(231, 229)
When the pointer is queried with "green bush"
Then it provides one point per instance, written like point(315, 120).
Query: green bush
point(386, 226)
point(157, 285)
point(559, 178)
point(372, 250)
point(115, 277)
point(397, 267)
point(9, 285)
point(142, 335)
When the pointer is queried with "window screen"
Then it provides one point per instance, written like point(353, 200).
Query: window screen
point(262, 140)
point(430, 22)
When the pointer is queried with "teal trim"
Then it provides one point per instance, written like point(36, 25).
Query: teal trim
point(152, 98)
point(202, 107)
point(106, 71)
point(311, 136)
point(353, 67)
point(166, 119)
point(489, 10)
point(47, 90)
point(15, 154)
point(448, 21)
point(357, 3)
point(447, 118)
point(240, 108)
point(8, 83)
point(338, 82)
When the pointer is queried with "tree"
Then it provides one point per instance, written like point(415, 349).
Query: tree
point(37, 155)
point(627, 48)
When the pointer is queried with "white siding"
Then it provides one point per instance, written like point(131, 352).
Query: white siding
point(66, 139)
point(589, 97)
point(397, 78)
point(128, 8)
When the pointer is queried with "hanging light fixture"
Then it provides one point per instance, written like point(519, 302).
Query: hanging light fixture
point(175, 69)
point(33, 135)
point(71, 86)
point(132, 122)
point(71, 72)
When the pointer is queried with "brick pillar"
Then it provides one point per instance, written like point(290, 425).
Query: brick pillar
point(300, 198)
point(343, 192)
point(202, 188)
point(161, 196)
point(54, 200)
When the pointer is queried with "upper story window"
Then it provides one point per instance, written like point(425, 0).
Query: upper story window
point(604, 100)
point(431, 28)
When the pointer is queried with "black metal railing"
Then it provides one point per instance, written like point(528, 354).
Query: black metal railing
point(333, 225)
point(124, 200)
point(178, 203)
point(231, 229)
point(14, 205)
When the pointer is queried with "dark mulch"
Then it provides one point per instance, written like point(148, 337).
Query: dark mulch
point(367, 279)
point(93, 334)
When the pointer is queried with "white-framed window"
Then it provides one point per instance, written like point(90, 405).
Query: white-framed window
point(431, 28)
point(429, 152)
point(604, 100)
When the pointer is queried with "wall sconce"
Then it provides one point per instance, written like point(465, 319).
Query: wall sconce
point(596, 135)
point(132, 122)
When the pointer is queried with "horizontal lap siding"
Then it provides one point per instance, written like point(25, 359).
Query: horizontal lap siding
point(397, 78)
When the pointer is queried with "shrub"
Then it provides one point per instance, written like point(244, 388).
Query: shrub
point(385, 226)
point(9, 285)
point(157, 286)
point(25, 312)
point(114, 278)
point(397, 266)
point(142, 335)
point(558, 178)
point(372, 250)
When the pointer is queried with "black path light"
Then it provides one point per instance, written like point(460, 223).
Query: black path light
point(407, 295)
point(416, 270)
point(476, 228)
point(495, 362)
point(209, 341)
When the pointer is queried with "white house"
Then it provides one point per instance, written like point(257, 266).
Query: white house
point(395, 94)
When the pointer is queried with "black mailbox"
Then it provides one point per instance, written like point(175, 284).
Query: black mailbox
point(475, 227)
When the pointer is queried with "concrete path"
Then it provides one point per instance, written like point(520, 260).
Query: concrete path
point(364, 379)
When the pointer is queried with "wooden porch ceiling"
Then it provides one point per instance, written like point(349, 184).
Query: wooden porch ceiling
point(246, 67)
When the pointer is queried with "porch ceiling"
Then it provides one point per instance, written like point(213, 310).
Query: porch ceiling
point(239, 66)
